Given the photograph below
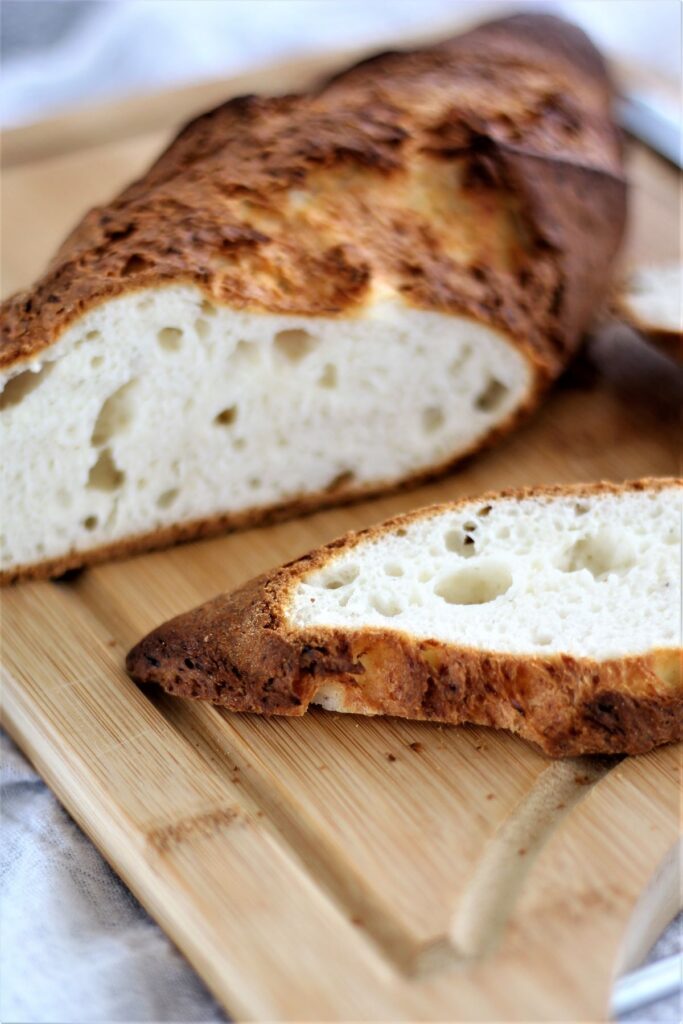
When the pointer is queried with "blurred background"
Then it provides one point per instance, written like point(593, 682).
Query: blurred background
point(61, 54)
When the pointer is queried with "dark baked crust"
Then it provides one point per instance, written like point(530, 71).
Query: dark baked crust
point(480, 176)
point(238, 651)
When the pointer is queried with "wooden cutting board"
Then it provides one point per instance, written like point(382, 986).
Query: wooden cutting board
point(335, 868)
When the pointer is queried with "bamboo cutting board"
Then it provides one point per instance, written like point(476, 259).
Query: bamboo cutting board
point(335, 868)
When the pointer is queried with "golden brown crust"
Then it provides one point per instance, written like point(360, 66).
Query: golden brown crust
point(480, 176)
point(239, 651)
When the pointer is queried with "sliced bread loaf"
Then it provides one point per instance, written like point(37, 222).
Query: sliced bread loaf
point(651, 302)
point(554, 613)
point(308, 298)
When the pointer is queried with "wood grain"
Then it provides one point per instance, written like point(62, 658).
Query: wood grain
point(333, 868)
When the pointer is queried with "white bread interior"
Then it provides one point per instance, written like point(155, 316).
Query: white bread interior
point(157, 408)
point(595, 576)
point(654, 297)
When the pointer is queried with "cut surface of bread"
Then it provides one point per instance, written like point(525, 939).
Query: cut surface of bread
point(651, 301)
point(554, 613)
point(309, 298)
point(208, 412)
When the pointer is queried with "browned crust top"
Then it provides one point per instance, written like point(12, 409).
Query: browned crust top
point(479, 176)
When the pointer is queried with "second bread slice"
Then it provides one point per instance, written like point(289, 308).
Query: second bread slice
point(552, 613)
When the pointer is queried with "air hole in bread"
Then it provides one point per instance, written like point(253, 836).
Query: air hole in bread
point(208, 308)
point(226, 416)
point(105, 475)
point(254, 483)
point(201, 327)
point(246, 352)
point(166, 499)
point(542, 639)
point(170, 338)
point(492, 397)
point(393, 569)
point(601, 554)
point(425, 575)
point(457, 364)
point(239, 444)
point(342, 578)
point(580, 509)
point(386, 606)
point(90, 522)
point(294, 344)
point(432, 418)
point(461, 541)
point(328, 378)
point(343, 479)
point(477, 584)
point(16, 389)
point(96, 362)
point(115, 415)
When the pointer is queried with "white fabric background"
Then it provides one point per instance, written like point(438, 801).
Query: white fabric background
point(74, 944)
point(121, 47)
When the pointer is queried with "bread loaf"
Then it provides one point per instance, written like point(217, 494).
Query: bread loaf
point(309, 298)
point(553, 613)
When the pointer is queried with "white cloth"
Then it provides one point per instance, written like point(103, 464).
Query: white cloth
point(109, 52)
point(76, 947)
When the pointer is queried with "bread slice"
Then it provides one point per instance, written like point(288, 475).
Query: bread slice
point(309, 298)
point(554, 613)
point(651, 302)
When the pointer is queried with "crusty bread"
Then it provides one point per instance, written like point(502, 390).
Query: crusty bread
point(309, 298)
point(552, 612)
point(650, 301)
